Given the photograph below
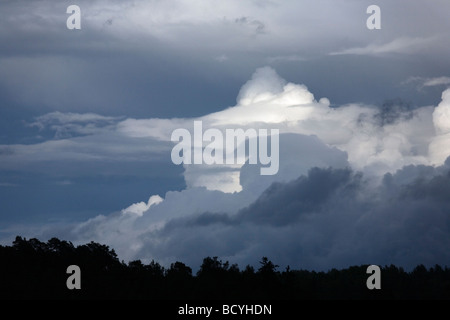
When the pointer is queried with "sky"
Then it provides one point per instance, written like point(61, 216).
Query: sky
point(363, 119)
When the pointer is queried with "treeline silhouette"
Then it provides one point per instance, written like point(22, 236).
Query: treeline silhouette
point(32, 269)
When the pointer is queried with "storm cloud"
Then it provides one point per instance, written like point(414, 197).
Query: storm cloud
point(363, 118)
point(355, 185)
point(327, 218)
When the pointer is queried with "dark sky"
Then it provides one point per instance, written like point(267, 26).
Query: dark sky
point(86, 117)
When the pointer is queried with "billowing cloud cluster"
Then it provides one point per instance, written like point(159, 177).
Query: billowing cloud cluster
point(356, 184)
point(329, 218)
point(87, 115)
point(376, 140)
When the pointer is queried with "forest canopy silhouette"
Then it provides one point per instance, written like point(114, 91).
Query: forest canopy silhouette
point(33, 269)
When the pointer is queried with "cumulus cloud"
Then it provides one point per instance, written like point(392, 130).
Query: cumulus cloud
point(330, 218)
point(128, 230)
point(140, 207)
point(356, 184)
point(441, 118)
point(376, 140)
point(326, 218)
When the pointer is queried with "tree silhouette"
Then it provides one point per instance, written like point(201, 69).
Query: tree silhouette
point(179, 270)
point(33, 269)
point(179, 276)
point(267, 267)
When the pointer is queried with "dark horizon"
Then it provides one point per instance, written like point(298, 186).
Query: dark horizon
point(32, 269)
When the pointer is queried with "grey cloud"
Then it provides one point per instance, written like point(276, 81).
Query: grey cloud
point(258, 26)
point(182, 210)
point(290, 58)
point(154, 61)
point(400, 46)
point(438, 81)
point(282, 204)
point(64, 118)
point(329, 218)
point(429, 186)
point(423, 82)
point(394, 110)
point(325, 218)
point(298, 153)
point(151, 46)
point(67, 124)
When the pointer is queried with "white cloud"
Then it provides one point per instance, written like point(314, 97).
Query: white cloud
point(403, 45)
point(313, 134)
point(70, 117)
point(203, 220)
point(428, 82)
point(235, 26)
point(439, 81)
point(102, 145)
point(326, 218)
point(439, 146)
point(129, 231)
point(140, 207)
point(265, 101)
